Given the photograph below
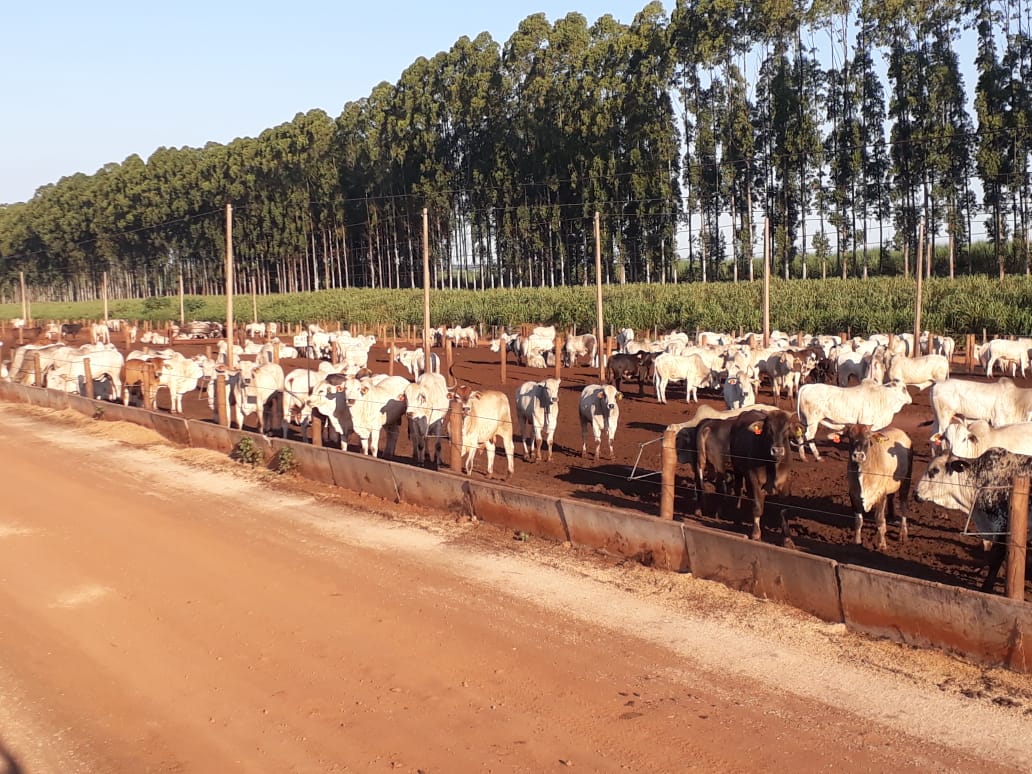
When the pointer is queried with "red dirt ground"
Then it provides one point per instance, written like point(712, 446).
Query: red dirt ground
point(822, 518)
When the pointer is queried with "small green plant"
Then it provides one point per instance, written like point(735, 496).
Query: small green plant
point(285, 462)
point(98, 412)
point(247, 451)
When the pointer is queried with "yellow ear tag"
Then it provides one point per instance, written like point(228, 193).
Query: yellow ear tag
point(756, 427)
point(835, 438)
point(879, 438)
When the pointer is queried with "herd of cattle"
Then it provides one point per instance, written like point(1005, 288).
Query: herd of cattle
point(981, 430)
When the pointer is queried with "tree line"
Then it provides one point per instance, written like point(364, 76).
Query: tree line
point(836, 136)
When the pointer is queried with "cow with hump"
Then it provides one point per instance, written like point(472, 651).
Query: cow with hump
point(486, 421)
point(877, 468)
point(537, 408)
point(981, 488)
point(868, 403)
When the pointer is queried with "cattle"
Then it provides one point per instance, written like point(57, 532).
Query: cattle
point(254, 330)
point(486, 418)
point(980, 488)
point(52, 332)
point(329, 400)
point(462, 335)
point(68, 370)
point(153, 337)
point(585, 345)
point(637, 367)
point(179, 375)
point(252, 389)
point(1013, 353)
point(100, 333)
point(624, 336)
point(297, 388)
point(878, 467)
point(22, 369)
point(738, 392)
point(1000, 403)
point(71, 329)
point(375, 407)
point(749, 454)
point(511, 342)
point(599, 409)
point(426, 406)
point(920, 372)
point(533, 350)
point(972, 439)
point(415, 361)
point(868, 403)
point(537, 407)
point(692, 370)
point(139, 370)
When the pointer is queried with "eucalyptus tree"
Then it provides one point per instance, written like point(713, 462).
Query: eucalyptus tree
point(639, 117)
point(992, 160)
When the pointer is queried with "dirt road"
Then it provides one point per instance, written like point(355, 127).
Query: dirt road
point(166, 610)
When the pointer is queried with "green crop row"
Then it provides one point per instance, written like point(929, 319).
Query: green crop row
point(962, 305)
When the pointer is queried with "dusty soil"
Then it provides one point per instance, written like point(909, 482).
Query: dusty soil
point(165, 609)
point(819, 504)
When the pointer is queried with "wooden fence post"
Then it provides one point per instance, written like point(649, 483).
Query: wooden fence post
point(87, 382)
point(969, 354)
point(145, 387)
point(1018, 539)
point(37, 370)
point(220, 400)
point(669, 473)
point(317, 427)
point(390, 358)
point(559, 355)
point(503, 348)
point(448, 353)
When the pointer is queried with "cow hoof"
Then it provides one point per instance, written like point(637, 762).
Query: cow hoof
point(787, 543)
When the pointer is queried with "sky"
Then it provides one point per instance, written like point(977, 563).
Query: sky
point(87, 84)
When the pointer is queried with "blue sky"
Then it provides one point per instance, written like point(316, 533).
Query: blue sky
point(86, 84)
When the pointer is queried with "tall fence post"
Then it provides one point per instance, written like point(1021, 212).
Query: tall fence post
point(87, 383)
point(220, 400)
point(455, 434)
point(1016, 543)
point(969, 357)
point(504, 350)
point(669, 473)
point(559, 344)
point(390, 358)
point(37, 370)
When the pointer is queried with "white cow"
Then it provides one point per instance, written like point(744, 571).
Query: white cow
point(100, 333)
point(179, 375)
point(253, 389)
point(868, 403)
point(1005, 352)
point(584, 345)
point(599, 408)
point(297, 389)
point(918, 372)
point(375, 406)
point(426, 406)
point(69, 372)
point(691, 370)
point(972, 439)
point(537, 407)
point(1000, 403)
point(487, 418)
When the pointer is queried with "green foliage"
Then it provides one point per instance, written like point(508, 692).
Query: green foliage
point(247, 452)
point(858, 306)
point(285, 462)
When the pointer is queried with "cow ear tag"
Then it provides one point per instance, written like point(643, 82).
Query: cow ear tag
point(879, 438)
point(835, 438)
point(756, 427)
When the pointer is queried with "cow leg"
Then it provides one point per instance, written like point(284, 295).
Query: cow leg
point(537, 444)
point(858, 526)
point(786, 532)
point(393, 431)
point(489, 449)
point(879, 522)
point(997, 554)
point(510, 448)
point(758, 502)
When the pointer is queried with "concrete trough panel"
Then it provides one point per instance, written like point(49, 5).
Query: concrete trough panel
point(517, 509)
point(13, 393)
point(174, 428)
point(83, 405)
point(652, 541)
point(807, 582)
point(313, 461)
point(116, 412)
point(208, 435)
point(362, 473)
point(432, 489)
point(981, 627)
point(51, 399)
